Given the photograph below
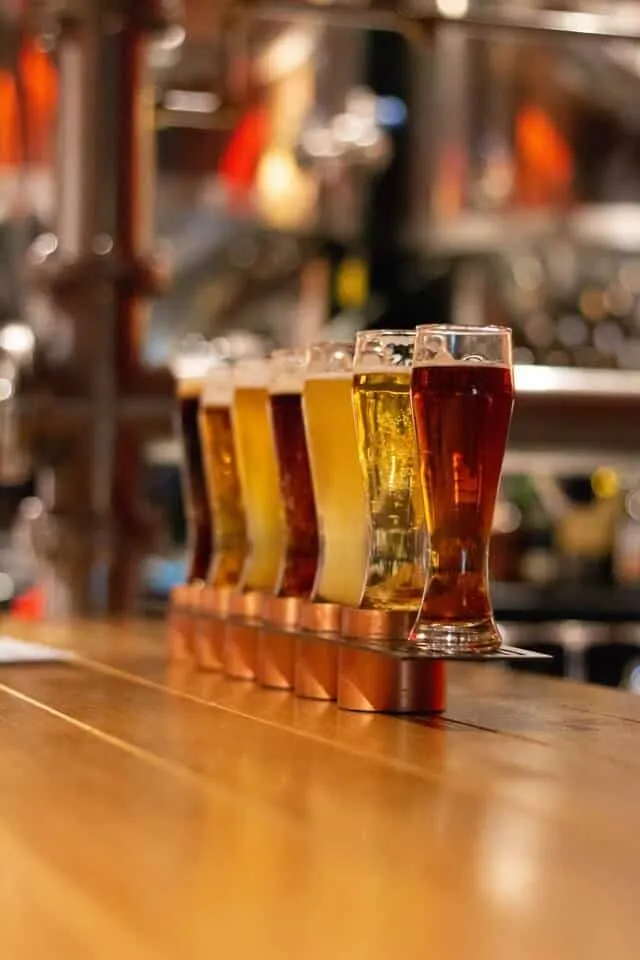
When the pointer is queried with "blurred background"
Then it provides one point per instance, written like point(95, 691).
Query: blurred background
point(295, 170)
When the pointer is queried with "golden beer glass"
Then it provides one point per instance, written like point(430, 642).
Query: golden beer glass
point(341, 510)
point(230, 544)
point(258, 472)
point(389, 458)
point(394, 583)
point(337, 478)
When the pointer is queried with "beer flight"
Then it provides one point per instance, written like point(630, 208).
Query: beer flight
point(339, 499)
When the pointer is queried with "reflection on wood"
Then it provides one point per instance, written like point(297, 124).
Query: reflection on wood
point(150, 812)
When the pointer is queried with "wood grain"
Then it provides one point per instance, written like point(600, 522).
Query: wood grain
point(151, 812)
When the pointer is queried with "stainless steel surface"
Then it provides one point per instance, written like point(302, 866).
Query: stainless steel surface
point(592, 386)
point(410, 16)
point(571, 411)
point(615, 226)
point(511, 18)
point(562, 463)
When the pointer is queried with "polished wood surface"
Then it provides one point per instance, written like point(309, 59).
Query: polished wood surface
point(150, 812)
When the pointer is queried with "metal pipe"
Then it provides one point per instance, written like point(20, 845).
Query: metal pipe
point(413, 17)
point(100, 408)
point(550, 23)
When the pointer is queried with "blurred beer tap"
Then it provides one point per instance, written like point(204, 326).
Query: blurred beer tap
point(94, 404)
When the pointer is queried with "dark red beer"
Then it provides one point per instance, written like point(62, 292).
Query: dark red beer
point(462, 413)
point(195, 491)
point(301, 547)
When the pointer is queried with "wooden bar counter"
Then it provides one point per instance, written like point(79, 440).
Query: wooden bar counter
point(149, 812)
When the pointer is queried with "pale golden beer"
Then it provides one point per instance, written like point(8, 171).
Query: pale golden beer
point(337, 477)
point(258, 471)
point(389, 459)
point(230, 545)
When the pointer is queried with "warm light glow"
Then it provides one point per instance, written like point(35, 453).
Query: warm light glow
point(453, 9)
point(285, 193)
point(605, 483)
point(171, 38)
point(191, 101)
point(40, 84)
point(287, 53)
point(32, 508)
point(7, 587)
point(320, 143)
point(17, 339)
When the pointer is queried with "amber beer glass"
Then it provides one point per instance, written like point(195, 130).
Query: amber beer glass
point(222, 479)
point(258, 471)
point(300, 556)
point(462, 394)
point(389, 458)
point(337, 478)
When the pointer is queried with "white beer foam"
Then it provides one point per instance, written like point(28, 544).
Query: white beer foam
point(385, 368)
point(218, 388)
point(287, 382)
point(252, 374)
point(329, 375)
point(191, 367)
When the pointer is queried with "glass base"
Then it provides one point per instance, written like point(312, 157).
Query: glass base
point(462, 637)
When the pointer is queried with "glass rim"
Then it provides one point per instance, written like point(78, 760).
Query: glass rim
point(386, 332)
point(464, 328)
point(288, 366)
point(318, 344)
point(327, 358)
point(281, 352)
point(252, 373)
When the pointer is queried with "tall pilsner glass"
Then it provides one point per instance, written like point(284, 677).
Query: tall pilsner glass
point(389, 458)
point(462, 396)
point(258, 470)
point(300, 560)
point(337, 478)
point(190, 369)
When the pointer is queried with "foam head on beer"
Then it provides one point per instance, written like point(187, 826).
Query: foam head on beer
point(190, 364)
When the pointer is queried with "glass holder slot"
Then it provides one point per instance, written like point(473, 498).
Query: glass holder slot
point(400, 650)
